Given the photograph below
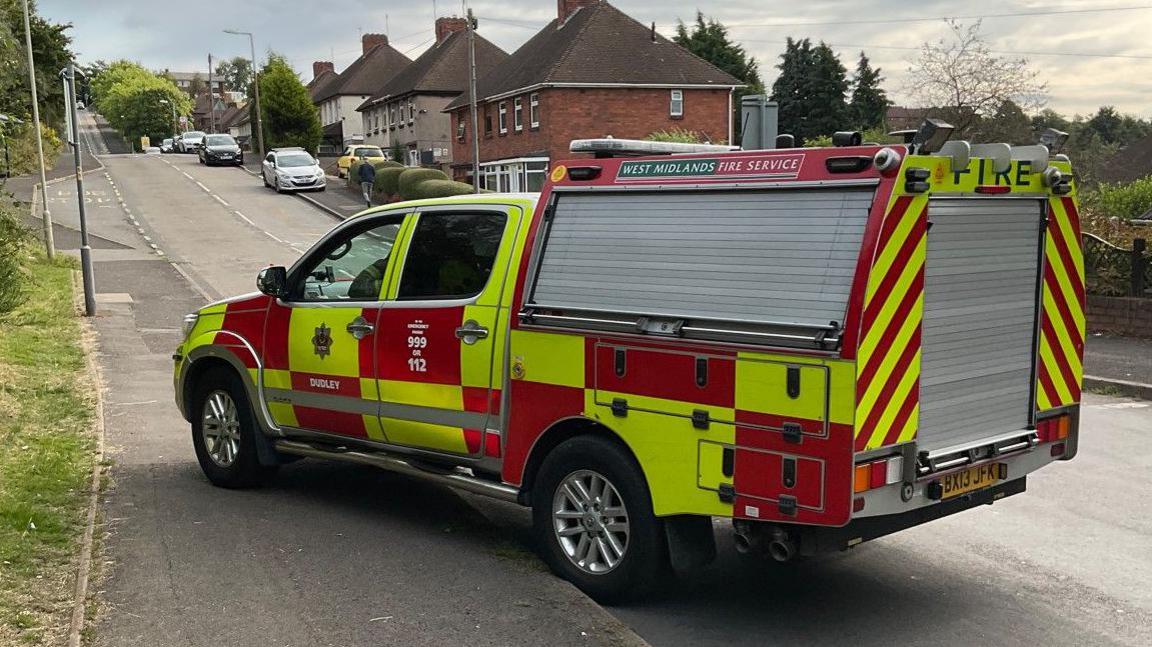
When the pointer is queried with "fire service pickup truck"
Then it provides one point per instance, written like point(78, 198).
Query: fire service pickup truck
point(824, 345)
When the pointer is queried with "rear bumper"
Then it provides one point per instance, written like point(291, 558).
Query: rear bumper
point(813, 540)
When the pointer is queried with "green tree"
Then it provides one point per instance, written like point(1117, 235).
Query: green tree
point(1008, 124)
point(51, 48)
point(869, 105)
point(290, 118)
point(130, 98)
point(709, 40)
point(811, 91)
point(236, 73)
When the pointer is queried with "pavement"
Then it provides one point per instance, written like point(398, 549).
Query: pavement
point(1118, 365)
point(331, 554)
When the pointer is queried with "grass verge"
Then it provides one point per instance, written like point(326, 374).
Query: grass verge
point(46, 415)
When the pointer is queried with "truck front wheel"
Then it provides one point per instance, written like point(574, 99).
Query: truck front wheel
point(224, 431)
point(593, 518)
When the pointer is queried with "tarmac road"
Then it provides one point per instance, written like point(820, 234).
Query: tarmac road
point(338, 555)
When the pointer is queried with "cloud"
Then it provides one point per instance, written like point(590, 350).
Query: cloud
point(310, 30)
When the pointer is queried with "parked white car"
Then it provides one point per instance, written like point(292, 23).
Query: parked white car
point(292, 169)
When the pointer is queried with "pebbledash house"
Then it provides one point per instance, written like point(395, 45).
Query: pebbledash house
point(592, 72)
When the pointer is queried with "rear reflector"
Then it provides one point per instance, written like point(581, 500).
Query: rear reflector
point(1057, 450)
point(857, 504)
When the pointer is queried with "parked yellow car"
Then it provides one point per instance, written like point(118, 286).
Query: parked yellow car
point(355, 152)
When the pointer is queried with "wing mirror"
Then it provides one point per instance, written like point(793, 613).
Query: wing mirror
point(273, 281)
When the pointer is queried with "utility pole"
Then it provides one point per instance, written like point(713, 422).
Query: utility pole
point(49, 244)
point(472, 97)
point(211, 99)
point(74, 135)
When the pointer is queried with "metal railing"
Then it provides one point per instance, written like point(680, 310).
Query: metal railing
point(1115, 271)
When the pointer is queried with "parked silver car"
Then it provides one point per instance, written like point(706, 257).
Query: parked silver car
point(292, 169)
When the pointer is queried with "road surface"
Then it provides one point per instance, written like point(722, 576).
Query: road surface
point(338, 555)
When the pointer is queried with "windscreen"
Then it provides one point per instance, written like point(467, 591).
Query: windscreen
point(368, 151)
point(193, 134)
point(220, 140)
point(298, 159)
point(763, 256)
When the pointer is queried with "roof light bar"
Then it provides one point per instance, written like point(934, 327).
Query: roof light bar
point(611, 147)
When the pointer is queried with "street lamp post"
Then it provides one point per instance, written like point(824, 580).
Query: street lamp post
point(175, 123)
point(69, 76)
point(256, 90)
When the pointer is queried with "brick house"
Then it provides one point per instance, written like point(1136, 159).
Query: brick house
point(338, 96)
point(591, 72)
point(409, 109)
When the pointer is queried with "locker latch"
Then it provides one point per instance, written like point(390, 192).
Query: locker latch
point(619, 407)
point(789, 473)
point(792, 432)
point(700, 419)
point(787, 505)
point(726, 492)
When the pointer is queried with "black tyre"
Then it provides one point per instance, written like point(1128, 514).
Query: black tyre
point(592, 515)
point(264, 180)
point(224, 431)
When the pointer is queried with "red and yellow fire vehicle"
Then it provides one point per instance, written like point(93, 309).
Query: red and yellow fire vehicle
point(824, 345)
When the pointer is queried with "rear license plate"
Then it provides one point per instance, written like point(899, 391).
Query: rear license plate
point(971, 479)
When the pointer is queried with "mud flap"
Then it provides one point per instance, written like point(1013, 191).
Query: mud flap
point(691, 541)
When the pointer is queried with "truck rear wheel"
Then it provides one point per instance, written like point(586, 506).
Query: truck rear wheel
point(593, 519)
point(223, 432)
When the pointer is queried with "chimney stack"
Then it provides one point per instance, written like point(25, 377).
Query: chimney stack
point(319, 67)
point(565, 8)
point(368, 41)
point(447, 26)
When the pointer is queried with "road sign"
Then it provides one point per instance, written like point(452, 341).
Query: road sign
point(183, 120)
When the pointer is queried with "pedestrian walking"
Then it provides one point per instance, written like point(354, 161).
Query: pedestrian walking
point(367, 175)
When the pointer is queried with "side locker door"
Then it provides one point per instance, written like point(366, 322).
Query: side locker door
point(319, 365)
point(440, 333)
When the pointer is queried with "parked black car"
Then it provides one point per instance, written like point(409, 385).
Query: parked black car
point(220, 149)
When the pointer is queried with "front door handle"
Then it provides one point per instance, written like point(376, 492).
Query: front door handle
point(360, 328)
point(471, 332)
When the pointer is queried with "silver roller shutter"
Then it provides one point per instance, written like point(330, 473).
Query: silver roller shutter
point(760, 256)
point(979, 319)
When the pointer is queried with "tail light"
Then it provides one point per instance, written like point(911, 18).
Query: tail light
point(1053, 429)
point(877, 474)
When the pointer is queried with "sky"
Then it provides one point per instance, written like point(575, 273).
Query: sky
point(1087, 52)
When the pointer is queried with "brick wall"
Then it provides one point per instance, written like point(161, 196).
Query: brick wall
point(575, 113)
point(1120, 315)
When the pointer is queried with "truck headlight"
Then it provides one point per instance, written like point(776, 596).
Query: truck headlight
point(189, 323)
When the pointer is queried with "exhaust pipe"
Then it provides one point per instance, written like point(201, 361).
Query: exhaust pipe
point(747, 538)
point(781, 547)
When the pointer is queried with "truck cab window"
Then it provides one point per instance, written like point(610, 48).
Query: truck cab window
point(451, 255)
point(350, 267)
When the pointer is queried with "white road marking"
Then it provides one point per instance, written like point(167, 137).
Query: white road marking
point(244, 218)
point(187, 176)
point(220, 200)
point(206, 189)
point(1121, 405)
point(153, 245)
point(274, 237)
point(147, 238)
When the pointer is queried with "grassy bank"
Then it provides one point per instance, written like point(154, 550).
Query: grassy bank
point(46, 454)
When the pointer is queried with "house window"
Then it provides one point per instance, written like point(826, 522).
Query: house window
point(402, 117)
point(460, 127)
point(534, 110)
point(413, 157)
point(411, 111)
point(392, 116)
point(676, 104)
point(503, 117)
point(487, 122)
point(518, 114)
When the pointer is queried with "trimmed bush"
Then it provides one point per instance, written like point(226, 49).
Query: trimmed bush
point(388, 180)
point(387, 164)
point(413, 176)
point(438, 189)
